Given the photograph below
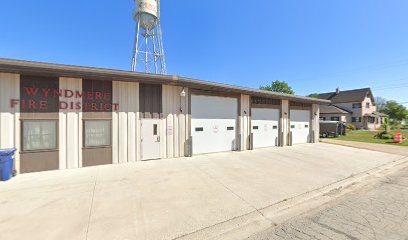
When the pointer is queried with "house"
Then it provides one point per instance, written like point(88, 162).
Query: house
point(355, 107)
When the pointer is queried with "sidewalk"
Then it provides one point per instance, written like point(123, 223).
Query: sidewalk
point(192, 198)
point(403, 151)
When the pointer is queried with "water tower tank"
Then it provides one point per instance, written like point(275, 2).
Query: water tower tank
point(147, 12)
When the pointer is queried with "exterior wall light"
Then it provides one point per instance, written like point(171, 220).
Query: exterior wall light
point(183, 92)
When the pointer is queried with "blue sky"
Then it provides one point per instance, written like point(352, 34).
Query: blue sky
point(314, 45)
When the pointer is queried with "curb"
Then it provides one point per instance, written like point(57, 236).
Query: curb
point(259, 220)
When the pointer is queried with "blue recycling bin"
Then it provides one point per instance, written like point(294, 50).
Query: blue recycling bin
point(6, 164)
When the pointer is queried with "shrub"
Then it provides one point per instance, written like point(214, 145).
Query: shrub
point(351, 127)
point(383, 135)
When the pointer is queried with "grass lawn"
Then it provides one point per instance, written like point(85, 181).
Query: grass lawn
point(368, 136)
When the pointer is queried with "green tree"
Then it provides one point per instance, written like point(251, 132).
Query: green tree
point(380, 103)
point(278, 86)
point(313, 95)
point(395, 111)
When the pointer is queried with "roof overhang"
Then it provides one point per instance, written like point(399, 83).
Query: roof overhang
point(60, 70)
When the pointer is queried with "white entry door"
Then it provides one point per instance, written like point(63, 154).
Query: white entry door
point(300, 126)
point(265, 127)
point(150, 139)
point(213, 124)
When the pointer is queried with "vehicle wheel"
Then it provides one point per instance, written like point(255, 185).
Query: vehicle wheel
point(324, 135)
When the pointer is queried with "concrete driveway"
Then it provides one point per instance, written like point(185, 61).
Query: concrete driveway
point(169, 199)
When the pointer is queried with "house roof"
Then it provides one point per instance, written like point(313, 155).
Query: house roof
point(59, 70)
point(332, 109)
point(356, 95)
point(375, 114)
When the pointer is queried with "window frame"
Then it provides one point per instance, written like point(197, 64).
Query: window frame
point(23, 150)
point(337, 119)
point(357, 105)
point(84, 133)
point(368, 105)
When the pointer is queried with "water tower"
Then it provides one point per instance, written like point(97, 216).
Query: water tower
point(148, 53)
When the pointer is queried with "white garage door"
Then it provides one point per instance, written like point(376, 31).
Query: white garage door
point(300, 126)
point(265, 127)
point(213, 124)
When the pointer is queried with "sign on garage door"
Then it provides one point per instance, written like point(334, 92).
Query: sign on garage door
point(213, 124)
point(265, 127)
point(300, 126)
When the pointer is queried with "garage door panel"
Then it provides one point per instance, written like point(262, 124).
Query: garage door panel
point(213, 135)
point(265, 127)
point(213, 124)
point(210, 107)
point(300, 126)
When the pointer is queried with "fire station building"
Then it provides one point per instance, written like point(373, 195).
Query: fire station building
point(64, 117)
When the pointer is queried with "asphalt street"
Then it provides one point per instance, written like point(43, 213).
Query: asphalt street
point(378, 211)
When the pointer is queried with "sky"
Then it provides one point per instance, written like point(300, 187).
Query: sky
point(314, 45)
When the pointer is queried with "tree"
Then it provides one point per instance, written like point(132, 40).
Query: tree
point(313, 95)
point(380, 103)
point(278, 86)
point(396, 112)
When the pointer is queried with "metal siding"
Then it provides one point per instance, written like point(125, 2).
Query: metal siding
point(150, 100)
point(174, 122)
point(125, 121)
point(69, 131)
point(245, 122)
point(285, 123)
point(316, 122)
point(9, 117)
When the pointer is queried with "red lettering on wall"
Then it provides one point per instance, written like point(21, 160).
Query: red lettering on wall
point(45, 91)
point(98, 96)
point(63, 105)
point(69, 93)
point(89, 96)
point(78, 94)
point(31, 91)
point(93, 107)
point(14, 103)
point(31, 104)
point(57, 93)
point(43, 105)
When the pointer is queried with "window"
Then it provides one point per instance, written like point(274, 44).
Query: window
point(199, 129)
point(323, 118)
point(335, 118)
point(255, 127)
point(368, 105)
point(356, 105)
point(39, 135)
point(371, 119)
point(97, 133)
point(356, 119)
point(230, 128)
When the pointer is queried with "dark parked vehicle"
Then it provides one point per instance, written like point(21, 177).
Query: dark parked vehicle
point(332, 129)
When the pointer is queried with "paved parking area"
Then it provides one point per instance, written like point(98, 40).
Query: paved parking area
point(168, 199)
point(379, 211)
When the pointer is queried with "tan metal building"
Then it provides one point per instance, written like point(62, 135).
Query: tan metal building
point(65, 117)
